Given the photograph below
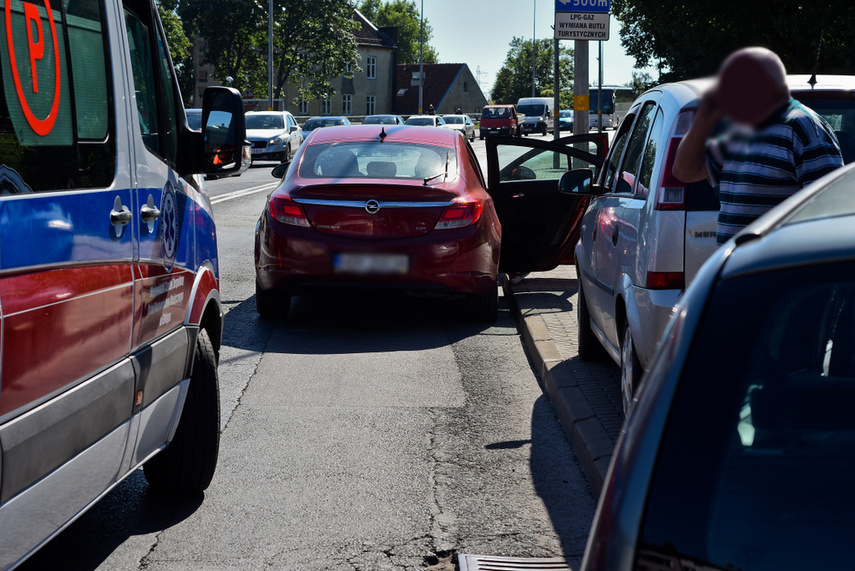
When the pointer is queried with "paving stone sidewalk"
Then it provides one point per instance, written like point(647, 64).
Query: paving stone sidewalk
point(585, 396)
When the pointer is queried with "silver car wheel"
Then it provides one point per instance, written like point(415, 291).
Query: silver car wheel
point(629, 369)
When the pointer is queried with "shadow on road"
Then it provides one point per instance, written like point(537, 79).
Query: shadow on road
point(129, 510)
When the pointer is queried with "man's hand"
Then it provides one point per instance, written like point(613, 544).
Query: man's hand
point(690, 164)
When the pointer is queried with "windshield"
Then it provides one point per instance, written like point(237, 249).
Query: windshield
point(313, 124)
point(565, 113)
point(607, 100)
point(194, 120)
point(429, 121)
point(264, 121)
point(375, 159)
point(495, 112)
point(532, 110)
point(379, 121)
point(454, 120)
point(840, 114)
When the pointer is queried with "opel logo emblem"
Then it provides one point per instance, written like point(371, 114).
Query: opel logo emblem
point(372, 207)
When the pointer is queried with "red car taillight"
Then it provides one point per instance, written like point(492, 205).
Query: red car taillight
point(460, 215)
point(286, 211)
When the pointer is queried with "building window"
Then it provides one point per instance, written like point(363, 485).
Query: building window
point(370, 105)
point(347, 104)
point(465, 86)
point(348, 69)
point(326, 107)
point(371, 68)
point(304, 107)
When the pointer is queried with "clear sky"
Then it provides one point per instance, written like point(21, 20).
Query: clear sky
point(479, 33)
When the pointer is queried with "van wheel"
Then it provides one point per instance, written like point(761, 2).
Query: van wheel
point(589, 346)
point(271, 303)
point(630, 370)
point(187, 464)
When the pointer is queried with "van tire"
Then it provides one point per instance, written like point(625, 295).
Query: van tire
point(186, 467)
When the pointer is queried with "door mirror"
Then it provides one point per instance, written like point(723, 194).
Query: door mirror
point(280, 170)
point(223, 130)
point(577, 181)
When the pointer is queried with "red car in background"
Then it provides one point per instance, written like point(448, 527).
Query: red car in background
point(408, 208)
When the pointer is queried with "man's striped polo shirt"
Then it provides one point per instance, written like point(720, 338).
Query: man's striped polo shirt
point(756, 170)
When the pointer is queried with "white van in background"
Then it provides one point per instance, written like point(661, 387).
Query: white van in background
point(538, 113)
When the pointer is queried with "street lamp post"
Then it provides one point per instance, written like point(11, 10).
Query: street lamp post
point(421, 60)
point(533, 48)
point(270, 57)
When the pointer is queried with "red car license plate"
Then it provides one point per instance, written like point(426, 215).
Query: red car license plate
point(371, 263)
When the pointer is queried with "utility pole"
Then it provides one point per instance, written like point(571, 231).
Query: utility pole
point(533, 48)
point(270, 56)
point(422, 61)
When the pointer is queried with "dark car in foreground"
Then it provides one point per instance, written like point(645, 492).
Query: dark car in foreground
point(408, 209)
point(740, 448)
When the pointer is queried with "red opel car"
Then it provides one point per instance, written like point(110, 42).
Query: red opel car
point(408, 208)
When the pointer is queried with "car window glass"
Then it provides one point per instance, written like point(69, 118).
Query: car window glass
point(40, 122)
point(651, 150)
point(755, 467)
point(635, 147)
point(523, 163)
point(618, 147)
point(378, 160)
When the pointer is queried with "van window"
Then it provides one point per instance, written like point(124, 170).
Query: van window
point(532, 110)
point(57, 104)
point(153, 78)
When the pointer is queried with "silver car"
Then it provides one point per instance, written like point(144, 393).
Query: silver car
point(462, 123)
point(738, 453)
point(274, 135)
point(645, 234)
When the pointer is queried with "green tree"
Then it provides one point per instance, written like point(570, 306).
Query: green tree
point(234, 31)
point(514, 78)
point(640, 83)
point(180, 46)
point(407, 18)
point(313, 42)
point(691, 39)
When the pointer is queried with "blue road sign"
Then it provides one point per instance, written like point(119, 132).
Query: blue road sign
point(582, 5)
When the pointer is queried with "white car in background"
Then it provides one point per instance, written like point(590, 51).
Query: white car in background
point(273, 135)
point(462, 123)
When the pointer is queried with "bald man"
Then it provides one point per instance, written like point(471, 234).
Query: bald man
point(774, 147)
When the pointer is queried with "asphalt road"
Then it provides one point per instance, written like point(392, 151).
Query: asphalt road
point(359, 433)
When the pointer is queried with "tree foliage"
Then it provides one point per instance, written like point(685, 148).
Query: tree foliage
point(405, 15)
point(180, 46)
point(514, 79)
point(691, 39)
point(313, 42)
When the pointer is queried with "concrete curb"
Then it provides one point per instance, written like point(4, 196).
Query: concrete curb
point(589, 438)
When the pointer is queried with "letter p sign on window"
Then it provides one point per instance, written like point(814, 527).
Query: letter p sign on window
point(36, 40)
point(40, 110)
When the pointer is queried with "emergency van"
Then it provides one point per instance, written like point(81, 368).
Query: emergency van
point(110, 312)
